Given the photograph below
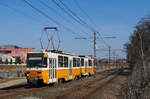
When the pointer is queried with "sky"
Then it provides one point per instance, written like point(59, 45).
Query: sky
point(21, 25)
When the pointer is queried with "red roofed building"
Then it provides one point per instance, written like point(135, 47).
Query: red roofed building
point(16, 51)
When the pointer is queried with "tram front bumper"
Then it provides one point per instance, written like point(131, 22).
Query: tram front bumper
point(34, 81)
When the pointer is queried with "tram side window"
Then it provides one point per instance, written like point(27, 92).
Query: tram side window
point(60, 61)
point(90, 63)
point(82, 62)
point(65, 61)
point(50, 62)
point(74, 62)
point(78, 62)
point(93, 62)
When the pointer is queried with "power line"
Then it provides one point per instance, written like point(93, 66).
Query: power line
point(50, 18)
point(70, 15)
point(90, 19)
point(21, 12)
point(65, 11)
point(80, 21)
point(55, 11)
point(84, 12)
point(52, 9)
point(95, 25)
point(101, 38)
point(74, 15)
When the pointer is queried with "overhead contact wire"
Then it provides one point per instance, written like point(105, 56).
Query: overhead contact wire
point(50, 18)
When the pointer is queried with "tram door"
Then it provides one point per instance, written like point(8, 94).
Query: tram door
point(52, 68)
point(86, 69)
point(70, 69)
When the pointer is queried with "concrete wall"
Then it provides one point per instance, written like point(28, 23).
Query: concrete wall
point(11, 74)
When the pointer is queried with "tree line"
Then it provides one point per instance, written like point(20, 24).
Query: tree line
point(138, 57)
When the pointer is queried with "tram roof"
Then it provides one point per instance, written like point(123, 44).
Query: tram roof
point(53, 51)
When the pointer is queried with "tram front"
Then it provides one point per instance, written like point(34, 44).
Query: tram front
point(37, 68)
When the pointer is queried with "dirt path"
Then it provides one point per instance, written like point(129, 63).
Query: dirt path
point(112, 90)
point(12, 83)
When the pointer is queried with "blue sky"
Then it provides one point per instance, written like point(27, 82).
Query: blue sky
point(23, 25)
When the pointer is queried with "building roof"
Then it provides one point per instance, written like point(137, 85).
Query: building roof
point(24, 50)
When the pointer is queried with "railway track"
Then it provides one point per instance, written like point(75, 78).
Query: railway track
point(14, 92)
point(79, 91)
point(85, 90)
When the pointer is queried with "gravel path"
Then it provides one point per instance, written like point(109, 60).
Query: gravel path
point(12, 83)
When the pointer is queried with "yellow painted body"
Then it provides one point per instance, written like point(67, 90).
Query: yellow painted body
point(94, 69)
point(75, 73)
point(44, 74)
point(63, 73)
point(60, 74)
point(90, 71)
point(83, 71)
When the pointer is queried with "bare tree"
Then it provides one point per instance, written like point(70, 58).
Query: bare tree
point(138, 55)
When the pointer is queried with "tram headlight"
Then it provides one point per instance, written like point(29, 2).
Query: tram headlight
point(39, 75)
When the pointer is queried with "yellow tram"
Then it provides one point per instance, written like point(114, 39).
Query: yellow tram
point(51, 66)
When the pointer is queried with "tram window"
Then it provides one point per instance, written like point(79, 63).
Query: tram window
point(74, 62)
point(65, 61)
point(82, 62)
point(78, 62)
point(93, 62)
point(60, 61)
point(45, 61)
point(50, 62)
point(90, 63)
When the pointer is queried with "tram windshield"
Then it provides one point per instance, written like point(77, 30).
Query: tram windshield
point(36, 60)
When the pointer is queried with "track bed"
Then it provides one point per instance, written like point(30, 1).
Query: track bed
point(102, 85)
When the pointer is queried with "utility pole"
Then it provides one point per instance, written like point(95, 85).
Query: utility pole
point(95, 45)
point(109, 49)
point(95, 48)
point(94, 40)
